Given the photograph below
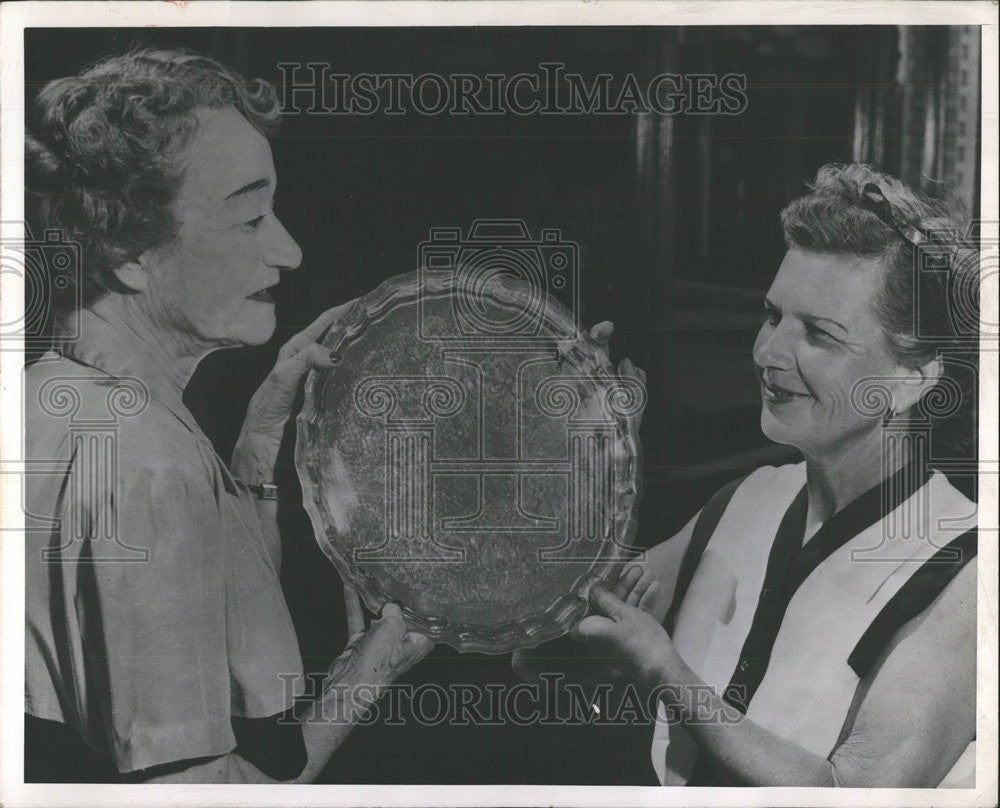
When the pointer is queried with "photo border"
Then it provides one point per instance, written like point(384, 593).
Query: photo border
point(15, 17)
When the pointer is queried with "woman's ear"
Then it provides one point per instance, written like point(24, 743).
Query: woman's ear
point(916, 383)
point(134, 274)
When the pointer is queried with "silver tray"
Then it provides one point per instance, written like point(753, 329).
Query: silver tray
point(471, 457)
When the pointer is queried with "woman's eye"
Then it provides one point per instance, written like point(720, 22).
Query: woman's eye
point(819, 333)
point(257, 221)
point(771, 316)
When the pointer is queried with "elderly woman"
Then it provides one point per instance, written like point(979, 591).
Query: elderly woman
point(158, 645)
point(815, 624)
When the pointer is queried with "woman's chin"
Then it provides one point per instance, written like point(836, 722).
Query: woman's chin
point(776, 430)
point(259, 330)
point(261, 338)
point(243, 338)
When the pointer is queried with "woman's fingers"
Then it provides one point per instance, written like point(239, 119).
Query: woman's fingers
point(391, 646)
point(414, 642)
point(313, 331)
point(634, 585)
point(608, 607)
point(635, 594)
point(641, 589)
point(590, 627)
point(601, 332)
point(419, 645)
point(355, 613)
point(605, 602)
point(648, 597)
point(627, 370)
point(390, 626)
point(271, 406)
point(288, 372)
point(600, 335)
point(626, 581)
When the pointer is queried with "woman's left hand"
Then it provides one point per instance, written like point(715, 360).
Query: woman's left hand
point(626, 637)
point(600, 337)
point(270, 408)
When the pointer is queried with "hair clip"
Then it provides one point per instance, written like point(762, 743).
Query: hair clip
point(874, 201)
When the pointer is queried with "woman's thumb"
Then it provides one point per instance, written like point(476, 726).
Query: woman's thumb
point(606, 602)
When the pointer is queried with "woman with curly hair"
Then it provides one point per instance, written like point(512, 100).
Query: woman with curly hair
point(815, 624)
point(158, 643)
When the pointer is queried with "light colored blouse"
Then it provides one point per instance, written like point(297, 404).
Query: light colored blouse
point(809, 686)
point(154, 612)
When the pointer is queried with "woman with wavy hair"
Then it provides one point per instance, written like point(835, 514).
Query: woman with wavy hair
point(815, 624)
point(158, 643)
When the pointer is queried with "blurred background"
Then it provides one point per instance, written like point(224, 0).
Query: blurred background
point(676, 218)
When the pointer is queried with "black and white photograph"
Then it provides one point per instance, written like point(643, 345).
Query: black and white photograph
point(499, 404)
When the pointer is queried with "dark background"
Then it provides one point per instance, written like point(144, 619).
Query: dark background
point(677, 222)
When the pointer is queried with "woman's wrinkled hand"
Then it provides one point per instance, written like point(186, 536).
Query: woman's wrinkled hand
point(625, 636)
point(376, 657)
point(271, 406)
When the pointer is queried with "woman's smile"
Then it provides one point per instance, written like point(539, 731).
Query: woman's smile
point(775, 393)
point(819, 340)
point(778, 395)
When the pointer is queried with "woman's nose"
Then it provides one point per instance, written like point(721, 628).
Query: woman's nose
point(283, 251)
point(774, 346)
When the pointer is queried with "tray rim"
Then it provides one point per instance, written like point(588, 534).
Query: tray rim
point(566, 609)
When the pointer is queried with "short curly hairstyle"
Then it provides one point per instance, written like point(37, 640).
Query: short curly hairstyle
point(101, 149)
point(924, 314)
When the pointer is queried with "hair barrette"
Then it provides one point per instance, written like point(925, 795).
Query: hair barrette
point(874, 201)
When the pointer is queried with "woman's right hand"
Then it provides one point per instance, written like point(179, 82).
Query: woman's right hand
point(372, 660)
point(600, 336)
point(270, 409)
point(376, 657)
point(637, 586)
point(570, 658)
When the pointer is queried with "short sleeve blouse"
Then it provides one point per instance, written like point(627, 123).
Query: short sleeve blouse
point(154, 612)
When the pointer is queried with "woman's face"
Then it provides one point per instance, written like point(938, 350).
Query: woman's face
point(819, 339)
point(208, 286)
